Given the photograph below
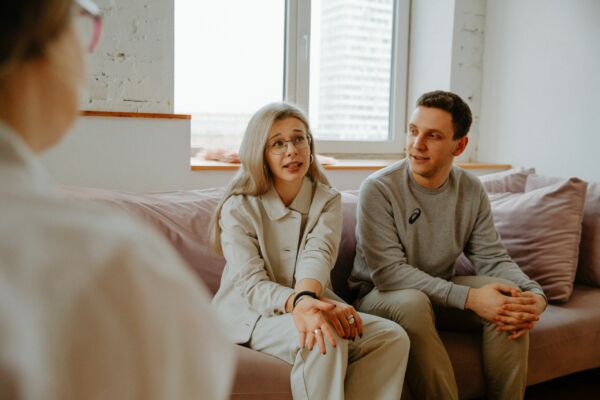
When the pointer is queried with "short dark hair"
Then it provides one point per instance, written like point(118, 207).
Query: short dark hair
point(451, 102)
point(26, 27)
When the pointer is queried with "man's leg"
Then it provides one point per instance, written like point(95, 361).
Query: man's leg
point(429, 373)
point(504, 361)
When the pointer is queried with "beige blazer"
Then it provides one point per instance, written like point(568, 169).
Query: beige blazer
point(269, 247)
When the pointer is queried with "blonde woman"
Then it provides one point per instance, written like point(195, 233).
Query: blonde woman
point(278, 226)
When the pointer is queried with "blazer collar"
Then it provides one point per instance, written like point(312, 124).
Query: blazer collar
point(301, 203)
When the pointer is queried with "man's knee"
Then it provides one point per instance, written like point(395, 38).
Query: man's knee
point(412, 309)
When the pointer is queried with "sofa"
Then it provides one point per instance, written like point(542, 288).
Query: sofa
point(565, 340)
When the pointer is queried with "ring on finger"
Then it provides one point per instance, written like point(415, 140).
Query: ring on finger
point(350, 319)
point(317, 331)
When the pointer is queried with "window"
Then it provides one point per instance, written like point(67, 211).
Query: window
point(344, 61)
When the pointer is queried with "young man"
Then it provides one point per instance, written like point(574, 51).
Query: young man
point(414, 219)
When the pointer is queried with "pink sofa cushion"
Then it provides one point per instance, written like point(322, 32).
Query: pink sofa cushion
point(183, 217)
point(513, 180)
point(541, 230)
point(588, 270)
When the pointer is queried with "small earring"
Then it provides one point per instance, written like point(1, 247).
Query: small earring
point(311, 159)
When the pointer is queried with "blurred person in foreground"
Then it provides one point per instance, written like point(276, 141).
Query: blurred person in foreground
point(91, 304)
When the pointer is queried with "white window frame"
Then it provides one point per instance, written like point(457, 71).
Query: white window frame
point(297, 74)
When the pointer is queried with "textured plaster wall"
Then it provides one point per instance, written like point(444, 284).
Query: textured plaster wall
point(466, 77)
point(132, 68)
point(446, 53)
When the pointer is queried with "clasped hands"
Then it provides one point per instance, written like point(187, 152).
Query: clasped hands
point(320, 319)
point(508, 307)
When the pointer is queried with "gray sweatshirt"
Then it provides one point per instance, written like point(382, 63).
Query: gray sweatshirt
point(409, 237)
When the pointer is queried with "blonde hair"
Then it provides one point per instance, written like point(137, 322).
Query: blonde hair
point(254, 177)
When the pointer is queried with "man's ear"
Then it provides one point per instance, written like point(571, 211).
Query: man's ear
point(461, 145)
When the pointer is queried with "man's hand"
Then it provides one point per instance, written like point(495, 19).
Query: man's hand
point(488, 301)
point(519, 318)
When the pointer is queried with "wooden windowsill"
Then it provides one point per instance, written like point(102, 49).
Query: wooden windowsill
point(340, 165)
point(120, 114)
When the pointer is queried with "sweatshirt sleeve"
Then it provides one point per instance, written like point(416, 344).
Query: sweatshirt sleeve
point(488, 255)
point(384, 253)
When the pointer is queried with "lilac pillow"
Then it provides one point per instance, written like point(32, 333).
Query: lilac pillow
point(182, 217)
point(541, 230)
point(512, 180)
point(588, 270)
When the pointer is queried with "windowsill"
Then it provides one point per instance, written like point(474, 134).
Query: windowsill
point(340, 165)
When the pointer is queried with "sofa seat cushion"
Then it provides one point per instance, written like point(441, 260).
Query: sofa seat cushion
point(568, 332)
point(260, 376)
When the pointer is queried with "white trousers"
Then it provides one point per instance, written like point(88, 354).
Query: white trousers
point(371, 367)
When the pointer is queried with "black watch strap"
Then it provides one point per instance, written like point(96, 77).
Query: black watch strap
point(301, 294)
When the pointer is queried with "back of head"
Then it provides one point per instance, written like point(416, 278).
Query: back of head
point(26, 28)
point(452, 103)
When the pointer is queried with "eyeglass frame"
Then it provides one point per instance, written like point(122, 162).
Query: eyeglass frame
point(287, 142)
point(90, 9)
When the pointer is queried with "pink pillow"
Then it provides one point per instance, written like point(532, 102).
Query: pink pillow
point(541, 230)
point(588, 270)
point(512, 180)
point(182, 217)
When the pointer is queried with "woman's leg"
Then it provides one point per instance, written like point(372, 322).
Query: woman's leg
point(377, 361)
point(314, 375)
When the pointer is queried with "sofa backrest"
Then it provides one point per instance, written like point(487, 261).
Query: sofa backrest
point(183, 218)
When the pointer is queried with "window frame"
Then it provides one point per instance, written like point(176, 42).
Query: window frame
point(297, 77)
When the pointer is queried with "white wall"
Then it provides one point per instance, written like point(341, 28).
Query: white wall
point(446, 53)
point(541, 89)
point(132, 67)
point(142, 155)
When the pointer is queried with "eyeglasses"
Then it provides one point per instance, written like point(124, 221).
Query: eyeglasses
point(88, 29)
point(280, 146)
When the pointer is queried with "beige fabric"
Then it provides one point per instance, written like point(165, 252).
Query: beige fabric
point(268, 247)
point(429, 374)
point(92, 306)
point(371, 367)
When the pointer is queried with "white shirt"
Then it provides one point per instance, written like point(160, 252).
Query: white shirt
point(93, 306)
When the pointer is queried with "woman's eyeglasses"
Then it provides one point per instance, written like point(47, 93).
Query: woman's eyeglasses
point(89, 27)
point(279, 146)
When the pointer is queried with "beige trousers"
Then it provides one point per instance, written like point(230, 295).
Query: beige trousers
point(371, 367)
point(429, 374)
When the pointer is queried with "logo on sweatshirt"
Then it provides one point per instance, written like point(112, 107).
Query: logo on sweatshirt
point(414, 216)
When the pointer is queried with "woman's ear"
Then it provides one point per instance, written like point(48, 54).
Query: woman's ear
point(461, 145)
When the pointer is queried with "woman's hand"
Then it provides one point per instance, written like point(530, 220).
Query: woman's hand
point(344, 318)
point(312, 326)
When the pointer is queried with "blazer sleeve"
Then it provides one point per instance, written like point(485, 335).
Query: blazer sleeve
point(245, 264)
point(318, 256)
